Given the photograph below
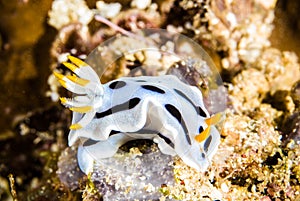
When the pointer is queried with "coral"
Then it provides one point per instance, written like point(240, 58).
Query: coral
point(108, 10)
point(248, 89)
point(281, 69)
point(70, 11)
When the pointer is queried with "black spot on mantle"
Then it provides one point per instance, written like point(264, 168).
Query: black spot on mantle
point(175, 113)
point(117, 85)
point(153, 88)
point(119, 108)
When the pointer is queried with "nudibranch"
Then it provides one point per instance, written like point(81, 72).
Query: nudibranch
point(161, 108)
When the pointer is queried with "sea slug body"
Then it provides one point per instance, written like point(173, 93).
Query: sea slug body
point(161, 108)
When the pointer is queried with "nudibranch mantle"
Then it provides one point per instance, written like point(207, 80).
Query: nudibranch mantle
point(161, 108)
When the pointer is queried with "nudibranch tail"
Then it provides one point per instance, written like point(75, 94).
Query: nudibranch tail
point(210, 121)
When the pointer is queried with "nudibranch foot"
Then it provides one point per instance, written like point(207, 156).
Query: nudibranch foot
point(97, 150)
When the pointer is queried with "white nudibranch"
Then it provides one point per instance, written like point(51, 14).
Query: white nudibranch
point(161, 108)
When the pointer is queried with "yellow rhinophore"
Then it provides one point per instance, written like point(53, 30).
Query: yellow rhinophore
point(210, 121)
point(213, 119)
point(203, 135)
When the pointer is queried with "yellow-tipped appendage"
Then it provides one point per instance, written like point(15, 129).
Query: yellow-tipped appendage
point(77, 61)
point(58, 75)
point(75, 126)
point(83, 109)
point(63, 83)
point(70, 66)
point(76, 85)
point(63, 100)
point(60, 78)
point(78, 80)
